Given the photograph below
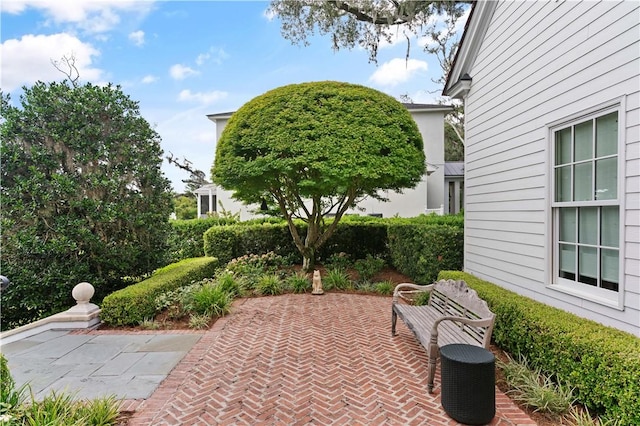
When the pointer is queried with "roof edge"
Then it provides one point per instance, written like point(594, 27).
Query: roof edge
point(458, 80)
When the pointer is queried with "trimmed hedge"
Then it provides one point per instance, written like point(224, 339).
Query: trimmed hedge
point(602, 363)
point(185, 239)
point(135, 303)
point(422, 250)
point(356, 239)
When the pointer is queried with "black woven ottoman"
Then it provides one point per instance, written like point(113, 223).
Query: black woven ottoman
point(468, 378)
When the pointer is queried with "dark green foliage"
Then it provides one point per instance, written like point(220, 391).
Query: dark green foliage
point(230, 242)
point(421, 251)
point(368, 267)
point(83, 196)
point(135, 303)
point(317, 148)
point(601, 363)
point(355, 240)
point(186, 238)
point(358, 239)
point(418, 247)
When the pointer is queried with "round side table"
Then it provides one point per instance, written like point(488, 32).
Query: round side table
point(468, 378)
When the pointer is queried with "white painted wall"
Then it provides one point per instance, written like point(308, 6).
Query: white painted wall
point(428, 194)
point(541, 62)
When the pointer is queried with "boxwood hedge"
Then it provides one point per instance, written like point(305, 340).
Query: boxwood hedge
point(602, 363)
point(135, 303)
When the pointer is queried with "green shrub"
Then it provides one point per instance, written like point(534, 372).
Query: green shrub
point(269, 285)
point(133, 304)
point(298, 282)
point(229, 283)
point(186, 238)
point(422, 250)
point(601, 363)
point(384, 287)
point(422, 298)
point(338, 260)
point(367, 268)
point(210, 299)
point(357, 240)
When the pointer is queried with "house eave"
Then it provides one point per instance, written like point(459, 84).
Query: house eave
point(220, 116)
point(470, 44)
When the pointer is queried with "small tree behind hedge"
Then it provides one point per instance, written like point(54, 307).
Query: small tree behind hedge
point(83, 196)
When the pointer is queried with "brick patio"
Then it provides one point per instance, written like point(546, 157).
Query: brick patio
point(303, 359)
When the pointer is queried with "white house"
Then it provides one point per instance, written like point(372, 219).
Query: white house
point(551, 93)
point(428, 196)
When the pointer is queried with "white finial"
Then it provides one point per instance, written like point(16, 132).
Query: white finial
point(83, 292)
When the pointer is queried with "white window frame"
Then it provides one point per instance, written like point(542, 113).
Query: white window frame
point(584, 291)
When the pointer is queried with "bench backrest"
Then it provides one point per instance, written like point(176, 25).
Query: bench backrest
point(455, 298)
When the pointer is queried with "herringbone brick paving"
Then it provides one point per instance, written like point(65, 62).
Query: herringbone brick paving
point(304, 360)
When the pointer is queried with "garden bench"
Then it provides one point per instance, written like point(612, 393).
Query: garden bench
point(454, 314)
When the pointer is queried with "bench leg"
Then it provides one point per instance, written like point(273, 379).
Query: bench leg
point(433, 357)
point(394, 320)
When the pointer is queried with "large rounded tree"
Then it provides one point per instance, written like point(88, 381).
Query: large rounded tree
point(316, 149)
point(83, 196)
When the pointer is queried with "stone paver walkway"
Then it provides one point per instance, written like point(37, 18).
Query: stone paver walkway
point(304, 360)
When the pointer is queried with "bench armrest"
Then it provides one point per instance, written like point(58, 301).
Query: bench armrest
point(482, 322)
point(411, 288)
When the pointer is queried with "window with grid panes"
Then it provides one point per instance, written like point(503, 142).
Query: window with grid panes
point(586, 212)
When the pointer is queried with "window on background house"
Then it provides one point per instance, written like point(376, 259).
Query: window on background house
point(586, 207)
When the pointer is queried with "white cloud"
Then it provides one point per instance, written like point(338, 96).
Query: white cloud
point(180, 72)
point(137, 37)
point(93, 16)
point(148, 79)
point(215, 54)
point(28, 59)
point(205, 98)
point(397, 71)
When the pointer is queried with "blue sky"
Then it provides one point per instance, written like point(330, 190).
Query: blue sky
point(182, 60)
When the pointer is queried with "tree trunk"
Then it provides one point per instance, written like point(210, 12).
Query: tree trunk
point(308, 259)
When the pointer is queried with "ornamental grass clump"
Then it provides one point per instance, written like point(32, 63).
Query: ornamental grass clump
point(535, 390)
point(336, 279)
point(384, 288)
point(298, 282)
point(209, 299)
point(269, 285)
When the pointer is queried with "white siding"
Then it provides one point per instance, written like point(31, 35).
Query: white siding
point(541, 62)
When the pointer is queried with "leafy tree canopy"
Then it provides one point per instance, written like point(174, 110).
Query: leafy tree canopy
point(83, 196)
point(318, 148)
point(364, 23)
